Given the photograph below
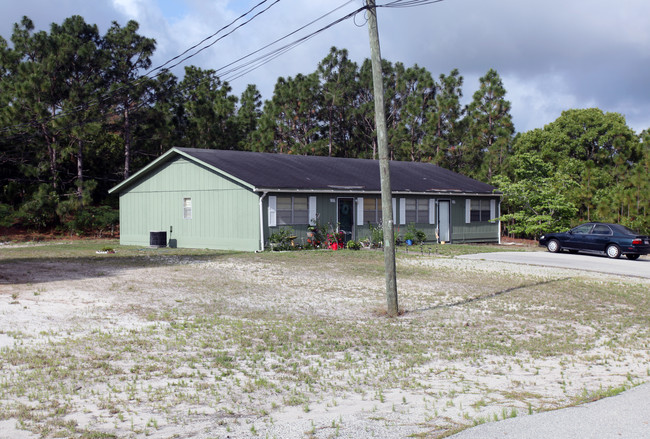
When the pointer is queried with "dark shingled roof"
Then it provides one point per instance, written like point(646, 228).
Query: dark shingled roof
point(298, 172)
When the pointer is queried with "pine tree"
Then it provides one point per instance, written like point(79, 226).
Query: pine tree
point(339, 86)
point(417, 91)
point(490, 129)
point(129, 57)
point(444, 128)
point(247, 117)
point(208, 110)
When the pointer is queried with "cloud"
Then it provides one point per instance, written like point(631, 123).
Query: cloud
point(44, 13)
point(538, 101)
point(551, 55)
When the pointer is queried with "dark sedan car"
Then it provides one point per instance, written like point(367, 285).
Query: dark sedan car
point(613, 239)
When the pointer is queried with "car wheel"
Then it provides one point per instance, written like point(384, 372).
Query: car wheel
point(632, 257)
point(613, 251)
point(553, 246)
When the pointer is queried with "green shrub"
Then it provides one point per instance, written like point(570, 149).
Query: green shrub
point(415, 235)
point(98, 220)
point(282, 239)
point(353, 245)
point(376, 235)
point(316, 235)
point(6, 215)
point(39, 212)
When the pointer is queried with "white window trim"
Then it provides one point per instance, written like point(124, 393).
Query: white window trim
point(187, 209)
point(432, 211)
point(312, 209)
point(272, 210)
point(360, 211)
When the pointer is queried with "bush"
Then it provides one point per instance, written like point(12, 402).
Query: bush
point(316, 235)
point(415, 235)
point(376, 235)
point(98, 220)
point(353, 245)
point(282, 239)
point(6, 215)
point(40, 211)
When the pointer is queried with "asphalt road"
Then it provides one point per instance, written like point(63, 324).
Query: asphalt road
point(587, 262)
point(623, 416)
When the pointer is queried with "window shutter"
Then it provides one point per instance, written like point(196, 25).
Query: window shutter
point(468, 211)
point(359, 211)
point(312, 210)
point(394, 200)
point(493, 209)
point(272, 204)
point(432, 211)
point(402, 210)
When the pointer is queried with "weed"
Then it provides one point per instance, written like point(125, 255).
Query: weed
point(255, 334)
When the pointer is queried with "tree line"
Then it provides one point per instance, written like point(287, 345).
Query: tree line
point(78, 115)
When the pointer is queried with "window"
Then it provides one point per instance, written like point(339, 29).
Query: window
point(583, 229)
point(411, 210)
point(480, 211)
point(292, 210)
point(417, 210)
point(601, 229)
point(423, 211)
point(187, 208)
point(372, 210)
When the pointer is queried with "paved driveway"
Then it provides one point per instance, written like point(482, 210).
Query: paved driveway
point(602, 264)
point(624, 416)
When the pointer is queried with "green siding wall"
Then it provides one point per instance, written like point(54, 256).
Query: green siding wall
point(460, 232)
point(225, 214)
point(325, 208)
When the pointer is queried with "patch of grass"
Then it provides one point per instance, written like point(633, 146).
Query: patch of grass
point(193, 335)
point(600, 393)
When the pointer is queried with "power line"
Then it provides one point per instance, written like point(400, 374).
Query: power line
point(408, 3)
point(214, 42)
point(255, 63)
point(106, 96)
point(161, 68)
point(213, 35)
point(236, 71)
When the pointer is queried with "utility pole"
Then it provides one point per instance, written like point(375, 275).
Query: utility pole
point(384, 164)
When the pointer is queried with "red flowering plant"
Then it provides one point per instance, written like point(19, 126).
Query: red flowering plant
point(336, 240)
point(316, 235)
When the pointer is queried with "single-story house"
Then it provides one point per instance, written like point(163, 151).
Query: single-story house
point(234, 200)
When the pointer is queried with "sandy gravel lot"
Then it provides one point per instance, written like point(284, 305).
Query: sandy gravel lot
point(166, 344)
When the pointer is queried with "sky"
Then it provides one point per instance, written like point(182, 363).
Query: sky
point(552, 55)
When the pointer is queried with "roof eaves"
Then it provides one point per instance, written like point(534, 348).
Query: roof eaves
point(376, 192)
